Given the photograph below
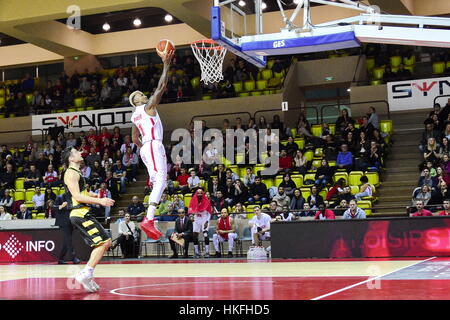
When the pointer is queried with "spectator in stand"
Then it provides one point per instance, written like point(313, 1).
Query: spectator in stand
point(429, 132)
point(372, 158)
point(111, 184)
point(307, 211)
point(166, 210)
point(131, 161)
point(38, 200)
point(225, 231)
point(127, 143)
point(373, 118)
point(288, 185)
point(342, 207)
point(291, 147)
point(103, 192)
point(214, 186)
point(51, 177)
point(97, 173)
point(249, 178)
point(49, 195)
point(324, 214)
point(7, 201)
point(285, 162)
point(85, 85)
point(4, 215)
point(297, 201)
point(229, 193)
point(120, 173)
point(7, 179)
point(388, 75)
point(445, 212)
point(343, 121)
point(218, 203)
point(421, 212)
point(42, 163)
point(136, 208)
point(431, 151)
point(193, 182)
point(177, 203)
point(33, 178)
point(427, 179)
point(24, 212)
point(422, 194)
point(183, 181)
point(315, 199)
point(281, 199)
point(324, 174)
point(365, 190)
point(300, 162)
point(258, 192)
point(344, 159)
point(402, 73)
point(354, 212)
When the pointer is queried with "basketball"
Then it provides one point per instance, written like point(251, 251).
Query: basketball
point(163, 46)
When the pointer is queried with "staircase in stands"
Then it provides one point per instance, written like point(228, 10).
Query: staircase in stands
point(402, 172)
point(133, 189)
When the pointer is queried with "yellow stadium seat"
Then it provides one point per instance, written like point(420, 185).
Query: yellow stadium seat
point(354, 189)
point(300, 142)
point(332, 128)
point(438, 67)
point(269, 183)
point(207, 97)
point(195, 82)
point(339, 175)
point(298, 180)
point(80, 109)
point(316, 130)
point(366, 206)
point(19, 183)
point(353, 178)
point(258, 167)
point(323, 193)
point(278, 180)
point(249, 85)
point(309, 176)
point(386, 126)
point(79, 102)
point(409, 61)
point(234, 168)
point(19, 194)
point(376, 82)
point(29, 193)
point(294, 132)
point(306, 192)
point(29, 98)
point(378, 73)
point(237, 87)
point(309, 155)
point(370, 63)
point(187, 199)
point(396, 61)
point(89, 108)
point(267, 92)
point(40, 216)
point(261, 84)
point(316, 163)
point(2, 92)
point(71, 110)
point(270, 64)
point(244, 94)
point(318, 153)
point(256, 93)
point(374, 178)
point(266, 74)
point(447, 64)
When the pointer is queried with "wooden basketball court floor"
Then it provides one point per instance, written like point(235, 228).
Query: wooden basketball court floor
point(233, 279)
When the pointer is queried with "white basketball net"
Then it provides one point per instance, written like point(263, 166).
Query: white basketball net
point(210, 55)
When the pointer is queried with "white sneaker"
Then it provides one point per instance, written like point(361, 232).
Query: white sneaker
point(85, 281)
point(94, 284)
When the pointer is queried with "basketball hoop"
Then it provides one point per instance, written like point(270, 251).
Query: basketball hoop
point(210, 55)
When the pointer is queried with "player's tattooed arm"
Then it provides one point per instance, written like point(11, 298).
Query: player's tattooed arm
point(157, 95)
point(135, 136)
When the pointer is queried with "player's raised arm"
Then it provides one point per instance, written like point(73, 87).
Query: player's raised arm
point(135, 136)
point(157, 95)
point(71, 179)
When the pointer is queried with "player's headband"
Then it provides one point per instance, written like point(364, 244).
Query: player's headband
point(131, 97)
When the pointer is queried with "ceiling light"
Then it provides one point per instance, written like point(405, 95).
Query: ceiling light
point(263, 6)
point(106, 26)
point(241, 3)
point(137, 22)
point(168, 18)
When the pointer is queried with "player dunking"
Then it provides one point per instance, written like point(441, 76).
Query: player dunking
point(147, 124)
point(81, 217)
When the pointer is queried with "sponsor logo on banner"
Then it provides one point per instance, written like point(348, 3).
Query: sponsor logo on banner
point(279, 44)
point(15, 247)
point(80, 121)
point(416, 94)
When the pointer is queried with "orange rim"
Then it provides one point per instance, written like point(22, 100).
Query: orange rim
point(207, 41)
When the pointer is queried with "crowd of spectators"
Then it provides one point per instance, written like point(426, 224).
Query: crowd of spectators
point(434, 181)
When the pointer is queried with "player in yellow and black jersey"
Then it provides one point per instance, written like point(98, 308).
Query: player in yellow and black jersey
point(91, 230)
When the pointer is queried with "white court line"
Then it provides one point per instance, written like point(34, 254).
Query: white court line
point(365, 281)
point(174, 283)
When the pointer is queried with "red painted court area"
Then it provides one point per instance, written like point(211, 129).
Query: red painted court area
point(425, 279)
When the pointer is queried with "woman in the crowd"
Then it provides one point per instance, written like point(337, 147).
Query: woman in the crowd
point(297, 201)
point(343, 121)
point(324, 174)
point(300, 162)
point(365, 190)
point(127, 236)
point(240, 191)
point(4, 215)
point(288, 184)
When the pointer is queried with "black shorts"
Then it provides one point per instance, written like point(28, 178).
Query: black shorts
point(91, 230)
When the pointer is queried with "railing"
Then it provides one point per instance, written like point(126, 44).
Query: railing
point(338, 105)
point(28, 131)
point(221, 114)
point(295, 108)
point(437, 97)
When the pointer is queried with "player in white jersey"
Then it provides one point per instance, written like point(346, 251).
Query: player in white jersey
point(147, 125)
point(260, 224)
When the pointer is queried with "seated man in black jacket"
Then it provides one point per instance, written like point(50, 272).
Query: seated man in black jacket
point(258, 192)
point(183, 230)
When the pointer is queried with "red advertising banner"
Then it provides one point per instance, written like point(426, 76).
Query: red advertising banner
point(38, 245)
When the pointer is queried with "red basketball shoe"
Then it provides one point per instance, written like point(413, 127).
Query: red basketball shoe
point(150, 230)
